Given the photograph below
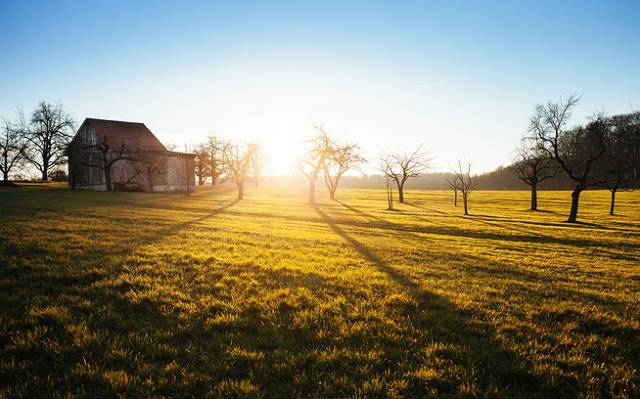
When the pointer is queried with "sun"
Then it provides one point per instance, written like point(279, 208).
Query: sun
point(282, 156)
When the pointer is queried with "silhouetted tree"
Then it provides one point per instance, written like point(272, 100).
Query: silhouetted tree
point(12, 149)
point(258, 162)
point(401, 167)
point(620, 169)
point(574, 150)
point(466, 182)
point(215, 158)
point(452, 181)
point(48, 133)
point(340, 160)
point(389, 193)
point(533, 166)
point(320, 147)
point(237, 159)
point(101, 155)
point(150, 164)
point(202, 163)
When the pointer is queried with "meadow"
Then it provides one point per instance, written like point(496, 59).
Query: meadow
point(168, 295)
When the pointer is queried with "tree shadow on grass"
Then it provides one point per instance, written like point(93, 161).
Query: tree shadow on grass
point(441, 321)
point(425, 208)
point(444, 229)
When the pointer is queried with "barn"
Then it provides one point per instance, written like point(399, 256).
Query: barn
point(107, 155)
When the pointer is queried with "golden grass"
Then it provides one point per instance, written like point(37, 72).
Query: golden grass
point(127, 294)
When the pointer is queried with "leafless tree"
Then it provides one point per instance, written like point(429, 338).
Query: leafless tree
point(533, 166)
point(237, 159)
point(48, 133)
point(320, 148)
point(340, 160)
point(575, 150)
point(452, 182)
point(620, 169)
point(150, 164)
point(258, 162)
point(215, 158)
point(465, 181)
point(12, 149)
point(401, 167)
point(389, 193)
point(202, 163)
point(101, 155)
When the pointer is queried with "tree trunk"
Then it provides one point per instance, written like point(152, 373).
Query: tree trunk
point(613, 201)
point(575, 199)
point(464, 200)
point(455, 197)
point(332, 193)
point(312, 191)
point(213, 180)
point(241, 191)
point(400, 193)
point(5, 170)
point(534, 196)
point(107, 178)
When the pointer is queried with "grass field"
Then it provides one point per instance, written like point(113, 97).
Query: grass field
point(130, 294)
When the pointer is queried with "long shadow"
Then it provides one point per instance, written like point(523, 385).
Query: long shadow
point(425, 208)
point(482, 267)
point(478, 219)
point(442, 321)
point(361, 212)
point(173, 229)
point(578, 225)
point(365, 251)
point(447, 230)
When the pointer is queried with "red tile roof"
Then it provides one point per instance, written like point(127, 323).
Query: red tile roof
point(131, 134)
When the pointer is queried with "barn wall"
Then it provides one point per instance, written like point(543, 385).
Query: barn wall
point(154, 173)
point(86, 177)
point(178, 176)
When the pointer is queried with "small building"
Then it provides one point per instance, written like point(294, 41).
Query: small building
point(126, 156)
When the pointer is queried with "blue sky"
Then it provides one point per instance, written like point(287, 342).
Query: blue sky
point(460, 77)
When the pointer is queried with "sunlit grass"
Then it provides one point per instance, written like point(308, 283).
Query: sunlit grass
point(173, 295)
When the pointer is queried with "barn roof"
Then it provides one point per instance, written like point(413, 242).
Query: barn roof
point(129, 134)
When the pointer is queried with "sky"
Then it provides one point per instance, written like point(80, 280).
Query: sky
point(460, 78)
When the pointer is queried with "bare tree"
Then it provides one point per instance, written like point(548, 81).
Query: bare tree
point(452, 181)
point(320, 148)
point(574, 150)
point(237, 159)
point(202, 163)
point(150, 164)
point(465, 181)
point(48, 133)
point(215, 158)
point(12, 149)
point(389, 193)
point(401, 167)
point(101, 155)
point(258, 162)
point(532, 166)
point(620, 169)
point(340, 160)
